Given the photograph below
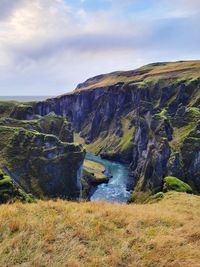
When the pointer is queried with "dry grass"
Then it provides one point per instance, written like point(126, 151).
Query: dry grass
point(59, 233)
point(178, 70)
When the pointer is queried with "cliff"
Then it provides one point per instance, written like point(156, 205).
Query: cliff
point(147, 117)
point(10, 191)
point(38, 154)
point(50, 124)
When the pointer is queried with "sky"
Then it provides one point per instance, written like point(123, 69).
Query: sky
point(47, 47)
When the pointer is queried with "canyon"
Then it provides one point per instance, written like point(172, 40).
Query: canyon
point(148, 118)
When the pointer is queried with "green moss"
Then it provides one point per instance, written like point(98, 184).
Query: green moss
point(139, 197)
point(162, 114)
point(155, 198)
point(190, 145)
point(44, 165)
point(11, 192)
point(185, 116)
point(195, 112)
point(6, 107)
point(50, 124)
point(126, 142)
point(112, 144)
point(180, 134)
point(174, 184)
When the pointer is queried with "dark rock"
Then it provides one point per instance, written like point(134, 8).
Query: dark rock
point(44, 166)
point(22, 112)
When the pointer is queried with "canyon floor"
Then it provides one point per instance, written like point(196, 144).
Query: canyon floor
point(61, 233)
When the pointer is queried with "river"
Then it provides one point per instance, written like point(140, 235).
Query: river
point(116, 189)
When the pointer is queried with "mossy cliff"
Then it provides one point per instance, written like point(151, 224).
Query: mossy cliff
point(147, 117)
point(38, 153)
point(10, 191)
point(41, 163)
point(50, 124)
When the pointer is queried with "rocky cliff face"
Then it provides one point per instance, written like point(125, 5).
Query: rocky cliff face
point(50, 124)
point(38, 154)
point(148, 117)
point(11, 191)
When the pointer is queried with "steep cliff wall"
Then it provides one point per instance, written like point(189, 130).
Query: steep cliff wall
point(38, 154)
point(147, 117)
point(41, 164)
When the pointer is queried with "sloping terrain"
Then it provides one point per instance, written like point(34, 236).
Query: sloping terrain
point(162, 70)
point(59, 233)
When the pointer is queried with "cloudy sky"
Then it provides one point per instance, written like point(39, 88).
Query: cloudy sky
point(47, 47)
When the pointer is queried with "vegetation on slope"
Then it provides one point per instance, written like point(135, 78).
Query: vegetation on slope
point(10, 191)
point(170, 183)
point(116, 146)
point(6, 107)
point(59, 233)
point(50, 124)
point(175, 184)
point(148, 74)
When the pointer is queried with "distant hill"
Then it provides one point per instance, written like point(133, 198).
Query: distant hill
point(164, 70)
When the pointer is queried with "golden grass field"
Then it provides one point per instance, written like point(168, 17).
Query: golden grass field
point(60, 233)
point(178, 70)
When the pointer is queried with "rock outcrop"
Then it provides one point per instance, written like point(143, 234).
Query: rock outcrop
point(10, 191)
point(22, 112)
point(41, 163)
point(93, 175)
point(50, 124)
point(39, 154)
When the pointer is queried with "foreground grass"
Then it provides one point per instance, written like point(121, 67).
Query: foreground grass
point(59, 233)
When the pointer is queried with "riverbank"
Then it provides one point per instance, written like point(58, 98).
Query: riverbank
point(93, 174)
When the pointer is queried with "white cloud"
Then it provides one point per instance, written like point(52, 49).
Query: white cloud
point(48, 46)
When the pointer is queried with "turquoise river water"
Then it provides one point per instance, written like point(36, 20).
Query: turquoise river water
point(116, 189)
